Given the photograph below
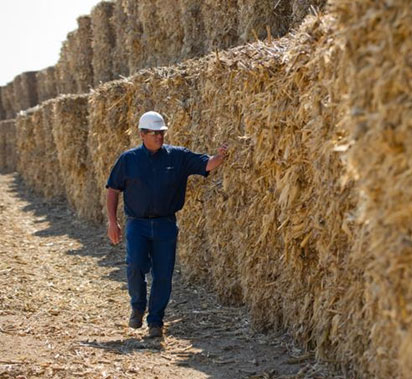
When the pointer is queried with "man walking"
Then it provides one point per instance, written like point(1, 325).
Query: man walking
point(153, 179)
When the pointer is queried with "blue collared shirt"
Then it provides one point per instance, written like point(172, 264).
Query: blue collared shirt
point(155, 184)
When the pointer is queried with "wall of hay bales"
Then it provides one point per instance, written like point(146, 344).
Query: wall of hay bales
point(290, 224)
point(123, 36)
point(308, 222)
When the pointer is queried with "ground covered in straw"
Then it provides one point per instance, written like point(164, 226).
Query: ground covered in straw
point(64, 310)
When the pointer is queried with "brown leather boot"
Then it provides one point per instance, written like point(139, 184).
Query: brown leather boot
point(155, 331)
point(136, 319)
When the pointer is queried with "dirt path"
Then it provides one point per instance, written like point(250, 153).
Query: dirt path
point(64, 310)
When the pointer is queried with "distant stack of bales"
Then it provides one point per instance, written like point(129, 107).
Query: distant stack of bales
point(46, 84)
point(123, 36)
point(8, 151)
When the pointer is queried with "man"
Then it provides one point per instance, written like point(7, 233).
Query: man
point(153, 180)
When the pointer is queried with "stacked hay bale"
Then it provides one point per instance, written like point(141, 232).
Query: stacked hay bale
point(103, 42)
point(2, 110)
point(256, 18)
point(111, 115)
point(46, 84)
point(53, 186)
point(70, 132)
point(120, 53)
point(10, 149)
point(377, 57)
point(9, 101)
point(220, 24)
point(134, 42)
point(193, 29)
point(162, 31)
point(37, 172)
point(25, 90)
point(65, 76)
point(3, 143)
point(26, 147)
point(82, 55)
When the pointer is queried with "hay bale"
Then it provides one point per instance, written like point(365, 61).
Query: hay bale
point(120, 53)
point(70, 132)
point(82, 55)
point(65, 76)
point(10, 101)
point(3, 144)
point(25, 90)
point(193, 29)
point(46, 84)
point(2, 109)
point(111, 114)
point(377, 41)
point(256, 16)
point(10, 146)
point(220, 23)
point(53, 186)
point(103, 42)
point(162, 36)
point(26, 147)
point(134, 42)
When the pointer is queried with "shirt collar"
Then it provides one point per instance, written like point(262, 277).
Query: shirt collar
point(148, 153)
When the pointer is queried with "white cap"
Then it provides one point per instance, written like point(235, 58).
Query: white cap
point(152, 121)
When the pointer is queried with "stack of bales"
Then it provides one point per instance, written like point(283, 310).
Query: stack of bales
point(70, 132)
point(120, 53)
point(9, 101)
point(53, 186)
point(111, 115)
point(28, 152)
point(25, 91)
point(103, 42)
point(74, 69)
point(282, 224)
point(8, 146)
point(377, 62)
point(2, 109)
point(162, 36)
point(65, 76)
point(82, 55)
point(46, 84)
point(220, 24)
point(136, 52)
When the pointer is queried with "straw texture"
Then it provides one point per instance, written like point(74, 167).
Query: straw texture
point(46, 84)
point(70, 132)
point(8, 151)
point(103, 42)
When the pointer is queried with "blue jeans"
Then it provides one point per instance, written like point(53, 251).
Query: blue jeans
point(151, 245)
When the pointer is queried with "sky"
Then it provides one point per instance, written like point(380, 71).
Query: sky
point(32, 32)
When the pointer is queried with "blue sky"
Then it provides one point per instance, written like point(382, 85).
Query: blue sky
point(32, 32)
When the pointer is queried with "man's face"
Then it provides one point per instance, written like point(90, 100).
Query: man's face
point(152, 141)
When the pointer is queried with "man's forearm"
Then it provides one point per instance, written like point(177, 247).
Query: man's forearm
point(214, 161)
point(112, 203)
